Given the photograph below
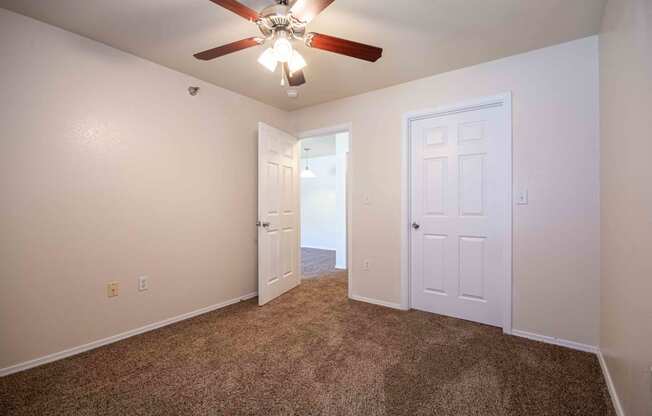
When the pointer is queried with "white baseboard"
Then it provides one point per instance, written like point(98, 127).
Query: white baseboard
point(610, 385)
point(377, 302)
point(248, 296)
point(109, 340)
point(555, 341)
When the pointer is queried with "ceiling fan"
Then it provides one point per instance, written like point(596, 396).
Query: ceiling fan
point(281, 24)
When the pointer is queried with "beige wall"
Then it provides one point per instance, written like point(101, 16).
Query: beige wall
point(556, 156)
point(626, 175)
point(110, 170)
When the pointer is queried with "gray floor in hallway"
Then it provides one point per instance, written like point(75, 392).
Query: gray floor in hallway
point(317, 262)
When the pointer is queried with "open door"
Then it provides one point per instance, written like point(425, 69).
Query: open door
point(278, 213)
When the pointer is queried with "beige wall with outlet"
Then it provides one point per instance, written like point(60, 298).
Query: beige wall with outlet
point(626, 174)
point(110, 170)
point(131, 176)
point(556, 158)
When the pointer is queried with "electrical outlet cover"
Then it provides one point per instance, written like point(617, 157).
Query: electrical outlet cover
point(112, 289)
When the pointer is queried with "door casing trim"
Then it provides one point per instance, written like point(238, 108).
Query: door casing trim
point(504, 100)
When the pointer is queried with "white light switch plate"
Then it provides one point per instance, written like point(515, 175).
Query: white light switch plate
point(142, 283)
point(522, 197)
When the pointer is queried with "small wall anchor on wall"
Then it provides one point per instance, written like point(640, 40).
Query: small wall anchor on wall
point(193, 90)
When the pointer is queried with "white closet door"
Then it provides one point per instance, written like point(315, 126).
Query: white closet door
point(459, 182)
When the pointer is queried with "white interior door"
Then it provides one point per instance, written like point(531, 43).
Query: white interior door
point(278, 213)
point(459, 174)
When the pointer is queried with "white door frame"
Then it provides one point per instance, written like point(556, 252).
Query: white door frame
point(340, 128)
point(505, 100)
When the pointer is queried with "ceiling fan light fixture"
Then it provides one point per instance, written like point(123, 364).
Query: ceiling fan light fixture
point(282, 47)
point(297, 63)
point(268, 59)
point(281, 24)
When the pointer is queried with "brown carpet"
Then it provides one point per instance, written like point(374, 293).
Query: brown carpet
point(316, 262)
point(314, 352)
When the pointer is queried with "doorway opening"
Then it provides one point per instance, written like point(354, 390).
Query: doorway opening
point(324, 166)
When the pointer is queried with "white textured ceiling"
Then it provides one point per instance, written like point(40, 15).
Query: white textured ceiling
point(419, 38)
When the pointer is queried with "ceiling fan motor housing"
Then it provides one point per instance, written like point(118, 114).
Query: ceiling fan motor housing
point(277, 18)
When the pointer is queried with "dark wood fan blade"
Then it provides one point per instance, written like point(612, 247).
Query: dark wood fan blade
point(295, 79)
point(238, 8)
point(306, 10)
point(226, 49)
point(344, 47)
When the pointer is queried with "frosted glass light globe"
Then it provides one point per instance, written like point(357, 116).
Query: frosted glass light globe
point(282, 49)
point(268, 60)
point(297, 62)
